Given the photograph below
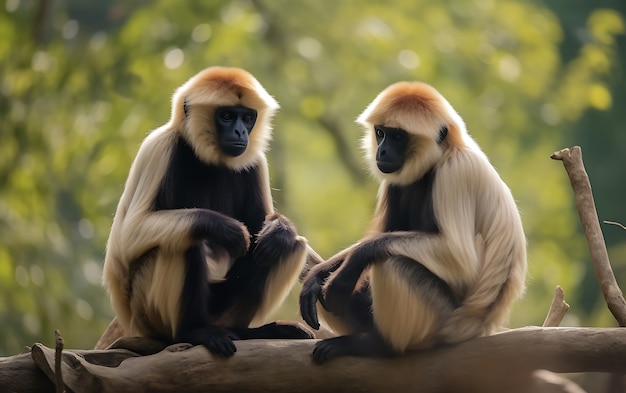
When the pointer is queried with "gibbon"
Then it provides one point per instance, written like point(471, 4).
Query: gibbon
point(446, 255)
point(196, 252)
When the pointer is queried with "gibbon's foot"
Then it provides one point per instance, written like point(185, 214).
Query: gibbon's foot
point(214, 338)
point(275, 330)
point(332, 348)
point(367, 344)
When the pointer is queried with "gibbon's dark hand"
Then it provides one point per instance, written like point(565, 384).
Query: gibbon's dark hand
point(337, 292)
point(234, 237)
point(277, 238)
point(310, 294)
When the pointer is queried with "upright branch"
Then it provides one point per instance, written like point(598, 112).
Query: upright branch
point(573, 163)
point(558, 308)
point(58, 353)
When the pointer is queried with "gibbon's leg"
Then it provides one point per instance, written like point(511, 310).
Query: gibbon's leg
point(283, 253)
point(258, 283)
point(359, 317)
point(409, 303)
point(195, 323)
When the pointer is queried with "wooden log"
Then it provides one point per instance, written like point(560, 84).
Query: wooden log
point(20, 374)
point(504, 362)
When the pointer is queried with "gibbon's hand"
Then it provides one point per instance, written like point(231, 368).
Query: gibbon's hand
point(337, 293)
point(310, 294)
point(233, 236)
point(276, 239)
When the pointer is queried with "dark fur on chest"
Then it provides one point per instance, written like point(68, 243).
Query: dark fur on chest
point(191, 183)
point(410, 208)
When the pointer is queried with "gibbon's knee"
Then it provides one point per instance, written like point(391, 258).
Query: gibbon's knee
point(338, 324)
point(409, 302)
point(155, 303)
point(282, 277)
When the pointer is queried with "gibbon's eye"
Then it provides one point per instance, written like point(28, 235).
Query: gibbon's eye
point(380, 133)
point(247, 118)
point(226, 116)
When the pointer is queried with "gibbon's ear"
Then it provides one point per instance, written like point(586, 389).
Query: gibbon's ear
point(186, 107)
point(443, 132)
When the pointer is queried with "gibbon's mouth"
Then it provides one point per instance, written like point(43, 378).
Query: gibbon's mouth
point(234, 148)
point(387, 166)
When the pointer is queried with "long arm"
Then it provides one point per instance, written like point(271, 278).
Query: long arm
point(176, 229)
point(139, 228)
point(313, 283)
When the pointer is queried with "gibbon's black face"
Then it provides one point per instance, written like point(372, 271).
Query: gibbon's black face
point(234, 124)
point(392, 146)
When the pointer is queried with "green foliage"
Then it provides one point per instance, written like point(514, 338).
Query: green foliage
point(75, 106)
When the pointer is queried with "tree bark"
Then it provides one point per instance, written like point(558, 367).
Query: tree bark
point(573, 163)
point(505, 362)
point(19, 373)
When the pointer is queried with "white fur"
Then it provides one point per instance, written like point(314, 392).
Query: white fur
point(400, 315)
point(280, 283)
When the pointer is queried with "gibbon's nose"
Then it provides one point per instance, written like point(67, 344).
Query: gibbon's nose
point(381, 153)
point(240, 130)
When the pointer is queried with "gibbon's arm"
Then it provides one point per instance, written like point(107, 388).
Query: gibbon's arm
point(312, 286)
point(137, 228)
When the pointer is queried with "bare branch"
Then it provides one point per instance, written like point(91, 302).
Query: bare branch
point(558, 308)
point(573, 163)
point(58, 381)
point(614, 223)
point(42, 15)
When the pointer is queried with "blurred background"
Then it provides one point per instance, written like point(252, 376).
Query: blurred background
point(83, 81)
